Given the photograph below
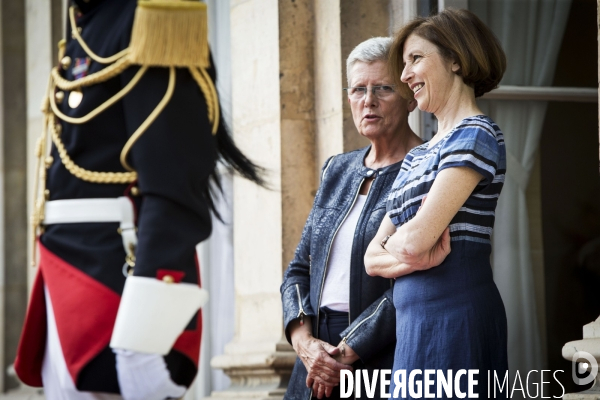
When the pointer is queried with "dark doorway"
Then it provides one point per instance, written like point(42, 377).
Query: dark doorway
point(571, 196)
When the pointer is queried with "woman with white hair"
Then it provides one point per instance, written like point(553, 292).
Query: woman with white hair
point(335, 315)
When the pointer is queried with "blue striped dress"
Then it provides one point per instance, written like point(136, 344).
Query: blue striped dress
point(451, 317)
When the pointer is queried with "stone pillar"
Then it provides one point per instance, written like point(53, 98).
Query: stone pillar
point(26, 61)
point(587, 353)
point(273, 114)
point(298, 181)
point(328, 79)
point(13, 169)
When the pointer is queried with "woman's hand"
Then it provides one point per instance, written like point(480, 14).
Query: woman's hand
point(409, 263)
point(392, 261)
point(432, 258)
point(378, 259)
point(345, 356)
point(317, 356)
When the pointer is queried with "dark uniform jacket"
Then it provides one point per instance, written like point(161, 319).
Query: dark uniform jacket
point(372, 330)
point(173, 159)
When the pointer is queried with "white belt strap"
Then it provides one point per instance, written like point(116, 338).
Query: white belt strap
point(74, 211)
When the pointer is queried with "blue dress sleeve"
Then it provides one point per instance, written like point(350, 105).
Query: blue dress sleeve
point(476, 145)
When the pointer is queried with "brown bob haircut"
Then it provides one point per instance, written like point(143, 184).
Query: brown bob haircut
point(460, 36)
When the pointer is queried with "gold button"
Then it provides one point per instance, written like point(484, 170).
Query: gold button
point(48, 161)
point(65, 62)
point(59, 96)
point(75, 98)
point(168, 279)
point(135, 191)
point(47, 194)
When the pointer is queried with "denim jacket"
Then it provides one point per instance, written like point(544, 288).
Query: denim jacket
point(372, 330)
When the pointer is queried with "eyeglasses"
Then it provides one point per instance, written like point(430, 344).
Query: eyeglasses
point(360, 92)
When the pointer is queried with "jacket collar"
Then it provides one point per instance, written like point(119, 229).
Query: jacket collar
point(362, 170)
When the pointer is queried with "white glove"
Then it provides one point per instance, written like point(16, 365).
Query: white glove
point(145, 377)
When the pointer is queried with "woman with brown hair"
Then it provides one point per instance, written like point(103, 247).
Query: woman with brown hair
point(449, 314)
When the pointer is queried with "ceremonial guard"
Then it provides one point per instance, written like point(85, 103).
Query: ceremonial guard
point(131, 138)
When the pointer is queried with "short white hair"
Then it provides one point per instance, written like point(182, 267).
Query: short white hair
point(371, 50)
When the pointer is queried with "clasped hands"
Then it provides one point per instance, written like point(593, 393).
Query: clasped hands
point(323, 362)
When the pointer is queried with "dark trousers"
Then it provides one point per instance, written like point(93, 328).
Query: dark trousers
point(331, 324)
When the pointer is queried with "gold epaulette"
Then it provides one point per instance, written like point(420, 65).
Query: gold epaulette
point(170, 33)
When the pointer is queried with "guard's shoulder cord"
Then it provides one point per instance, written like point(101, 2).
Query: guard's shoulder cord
point(118, 63)
point(166, 33)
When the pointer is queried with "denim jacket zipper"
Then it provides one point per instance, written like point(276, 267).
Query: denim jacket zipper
point(345, 338)
point(301, 313)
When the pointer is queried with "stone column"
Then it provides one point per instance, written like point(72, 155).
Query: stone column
point(27, 56)
point(328, 81)
point(13, 169)
point(30, 31)
point(273, 122)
